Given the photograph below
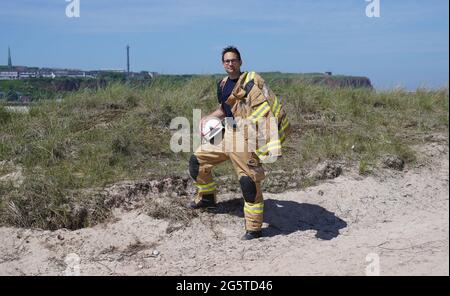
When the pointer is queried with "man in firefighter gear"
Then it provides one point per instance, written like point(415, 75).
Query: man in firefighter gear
point(244, 108)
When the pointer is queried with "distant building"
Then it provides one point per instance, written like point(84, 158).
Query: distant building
point(23, 72)
point(112, 70)
point(328, 73)
point(61, 73)
point(21, 69)
point(128, 60)
point(9, 75)
point(47, 75)
point(9, 59)
point(27, 74)
point(76, 74)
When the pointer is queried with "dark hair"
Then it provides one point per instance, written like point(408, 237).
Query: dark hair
point(231, 49)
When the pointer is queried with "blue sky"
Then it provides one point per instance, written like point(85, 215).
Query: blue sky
point(407, 45)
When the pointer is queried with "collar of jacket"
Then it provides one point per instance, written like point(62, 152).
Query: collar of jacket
point(238, 92)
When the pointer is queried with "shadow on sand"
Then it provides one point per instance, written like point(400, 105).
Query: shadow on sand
point(285, 217)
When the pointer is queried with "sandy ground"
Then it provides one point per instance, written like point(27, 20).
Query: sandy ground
point(389, 223)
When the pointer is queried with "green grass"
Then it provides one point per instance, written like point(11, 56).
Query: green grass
point(94, 138)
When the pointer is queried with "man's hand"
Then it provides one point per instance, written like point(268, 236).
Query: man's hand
point(218, 113)
point(202, 123)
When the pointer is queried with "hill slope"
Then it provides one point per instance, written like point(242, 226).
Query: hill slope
point(328, 229)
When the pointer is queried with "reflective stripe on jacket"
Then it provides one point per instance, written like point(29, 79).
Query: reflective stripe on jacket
point(254, 101)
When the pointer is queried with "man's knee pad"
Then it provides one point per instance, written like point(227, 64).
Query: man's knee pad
point(248, 189)
point(194, 166)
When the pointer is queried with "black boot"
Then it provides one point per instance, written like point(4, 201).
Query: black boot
point(207, 201)
point(251, 235)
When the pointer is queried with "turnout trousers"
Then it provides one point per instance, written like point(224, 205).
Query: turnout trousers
point(246, 165)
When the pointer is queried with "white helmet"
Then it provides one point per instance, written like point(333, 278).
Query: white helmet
point(211, 128)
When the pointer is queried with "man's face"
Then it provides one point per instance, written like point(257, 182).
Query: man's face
point(232, 63)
